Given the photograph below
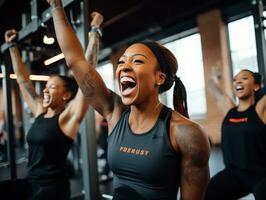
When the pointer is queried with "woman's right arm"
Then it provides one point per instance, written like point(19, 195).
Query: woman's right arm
point(223, 101)
point(90, 82)
point(26, 87)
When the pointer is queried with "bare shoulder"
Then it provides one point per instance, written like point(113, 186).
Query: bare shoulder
point(191, 139)
point(262, 102)
point(261, 108)
point(194, 150)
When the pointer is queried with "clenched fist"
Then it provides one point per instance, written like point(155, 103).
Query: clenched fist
point(55, 3)
point(97, 19)
point(11, 35)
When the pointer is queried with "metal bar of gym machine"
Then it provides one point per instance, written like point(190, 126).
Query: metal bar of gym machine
point(257, 11)
point(36, 22)
point(87, 129)
point(9, 121)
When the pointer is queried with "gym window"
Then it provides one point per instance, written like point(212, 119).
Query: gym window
point(107, 74)
point(243, 45)
point(188, 52)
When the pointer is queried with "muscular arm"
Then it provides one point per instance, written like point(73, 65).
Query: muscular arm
point(77, 108)
point(26, 87)
point(261, 108)
point(90, 82)
point(195, 152)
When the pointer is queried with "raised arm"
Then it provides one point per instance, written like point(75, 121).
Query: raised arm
point(90, 82)
point(195, 151)
point(263, 99)
point(223, 101)
point(26, 87)
point(78, 107)
point(93, 36)
point(261, 108)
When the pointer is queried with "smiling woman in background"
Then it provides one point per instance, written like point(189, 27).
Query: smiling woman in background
point(58, 114)
point(243, 140)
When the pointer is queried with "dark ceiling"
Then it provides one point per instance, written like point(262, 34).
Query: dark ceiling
point(124, 19)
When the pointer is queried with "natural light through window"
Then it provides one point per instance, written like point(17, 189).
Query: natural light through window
point(106, 71)
point(243, 44)
point(189, 56)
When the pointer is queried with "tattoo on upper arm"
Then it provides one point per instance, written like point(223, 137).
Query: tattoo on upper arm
point(88, 85)
point(29, 88)
point(93, 48)
point(196, 155)
point(194, 175)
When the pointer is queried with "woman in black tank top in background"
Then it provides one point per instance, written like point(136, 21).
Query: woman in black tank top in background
point(243, 140)
point(58, 114)
point(137, 121)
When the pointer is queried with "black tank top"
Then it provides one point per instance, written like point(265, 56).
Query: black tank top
point(48, 149)
point(244, 140)
point(147, 162)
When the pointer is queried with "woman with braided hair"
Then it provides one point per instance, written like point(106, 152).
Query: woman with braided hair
point(152, 150)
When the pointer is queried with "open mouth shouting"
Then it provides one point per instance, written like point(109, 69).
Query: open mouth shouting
point(239, 88)
point(46, 98)
point(127, 85)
